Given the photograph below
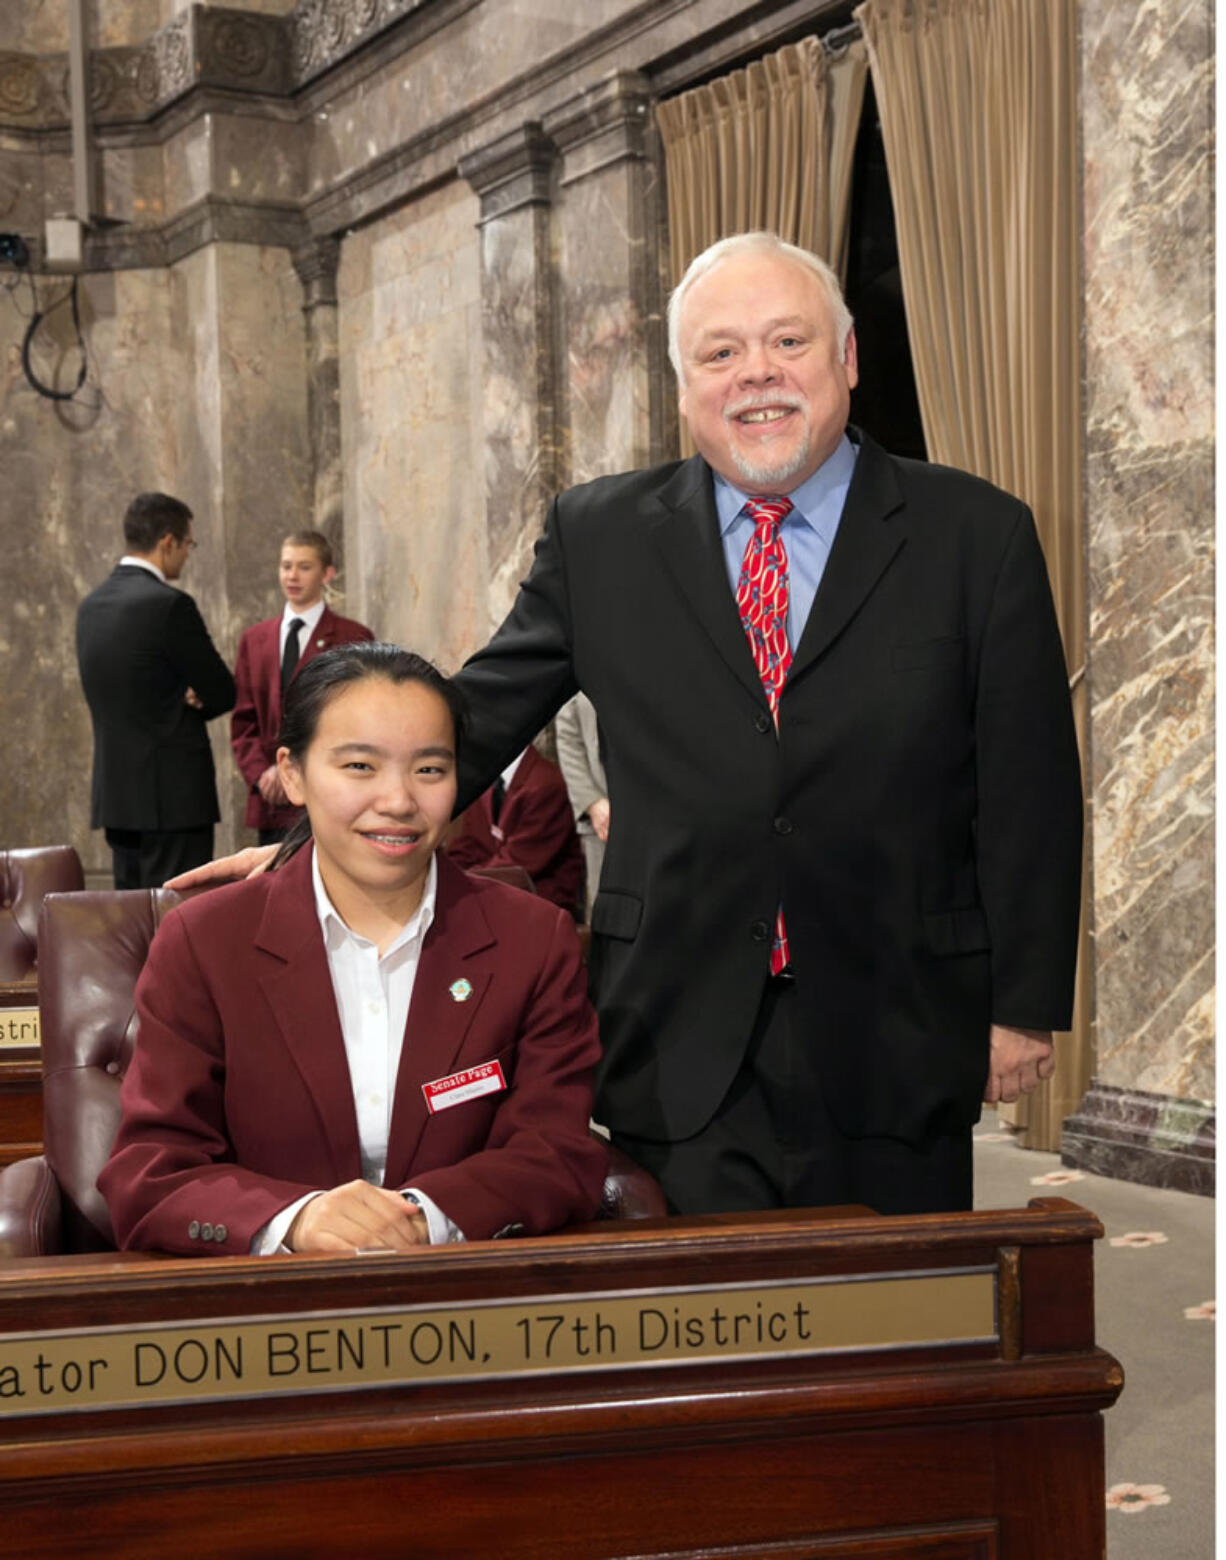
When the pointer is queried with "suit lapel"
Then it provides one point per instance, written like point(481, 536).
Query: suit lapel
point(299, 991)
point(687, 536)
point(863, 549)
point(442, 1011)
point(321, 639)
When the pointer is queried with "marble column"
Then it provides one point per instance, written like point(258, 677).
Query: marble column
point(317, 264)
point(1147, 105)
point(620, 396)
point(513, 176)
point(242, 449)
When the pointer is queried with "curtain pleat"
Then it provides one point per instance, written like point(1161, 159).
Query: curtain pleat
point(769, 146)
point(978, 113)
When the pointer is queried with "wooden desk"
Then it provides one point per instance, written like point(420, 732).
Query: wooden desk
point(836, 1423)
point(21, 1073)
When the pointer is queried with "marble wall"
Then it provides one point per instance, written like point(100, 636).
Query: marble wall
point(1147, 105)
point(196, 387)
point(1147, 95)
point(410, 343)
point(68, 472)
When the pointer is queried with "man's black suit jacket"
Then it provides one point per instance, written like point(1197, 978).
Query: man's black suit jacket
point(918, 815)
point(140, 645)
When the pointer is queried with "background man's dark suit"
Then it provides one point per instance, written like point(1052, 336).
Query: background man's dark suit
point(140, 645)
point(918, 817)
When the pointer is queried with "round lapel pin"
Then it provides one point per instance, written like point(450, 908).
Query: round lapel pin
point(461, 990)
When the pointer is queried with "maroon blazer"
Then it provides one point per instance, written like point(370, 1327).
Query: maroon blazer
point(239, 1099)
point(535, 830)
point(257, 710)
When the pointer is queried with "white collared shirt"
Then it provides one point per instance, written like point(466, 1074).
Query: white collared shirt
point(309, 618)
point(142, 563)
point(373, 994)
point(508, 774)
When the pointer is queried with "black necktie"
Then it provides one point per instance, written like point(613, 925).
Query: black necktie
point(498, 795)
point(289, 658)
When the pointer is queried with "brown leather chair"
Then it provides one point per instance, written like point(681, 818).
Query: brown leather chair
point(26, 878)
point(93, 947)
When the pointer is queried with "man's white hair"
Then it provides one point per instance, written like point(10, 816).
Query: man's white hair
point(746, 244)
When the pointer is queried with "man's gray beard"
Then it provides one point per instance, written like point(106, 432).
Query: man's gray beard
point(764, 476)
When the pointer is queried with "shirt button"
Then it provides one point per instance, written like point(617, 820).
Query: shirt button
point(760, 931)
point(783, 826)
point(764, 724)
point(374, 1007)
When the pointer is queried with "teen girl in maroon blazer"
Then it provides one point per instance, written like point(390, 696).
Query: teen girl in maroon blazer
point(240, 1127)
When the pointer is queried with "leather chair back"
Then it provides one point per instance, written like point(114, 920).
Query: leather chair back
point(26, 878)
point(92, 947)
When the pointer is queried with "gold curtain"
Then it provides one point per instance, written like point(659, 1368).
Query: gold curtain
point(769, 146)
point(977, 100)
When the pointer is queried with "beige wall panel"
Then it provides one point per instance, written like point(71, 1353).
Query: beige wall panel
point(410, 347)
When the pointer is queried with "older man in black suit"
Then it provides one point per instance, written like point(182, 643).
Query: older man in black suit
point(152, 678)
point(839, 904)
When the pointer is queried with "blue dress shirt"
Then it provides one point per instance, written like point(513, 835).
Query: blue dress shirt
point(808, 530)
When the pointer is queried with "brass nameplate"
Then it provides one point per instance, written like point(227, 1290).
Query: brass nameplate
point(123, 1367)
point(19, 1028)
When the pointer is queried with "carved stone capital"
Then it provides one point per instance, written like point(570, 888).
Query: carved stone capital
point(514, 171)
point(317, 263)
point(600, 127)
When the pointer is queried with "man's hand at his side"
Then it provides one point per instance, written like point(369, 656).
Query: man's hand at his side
point(1020, 1060)
point(270, 788)
point(598, 814)
point(226, 869)
point(358, 1217)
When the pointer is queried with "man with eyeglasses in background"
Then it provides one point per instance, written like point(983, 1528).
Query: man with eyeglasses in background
point(153, 679)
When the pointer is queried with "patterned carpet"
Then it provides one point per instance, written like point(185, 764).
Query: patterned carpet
point(1154, 1287)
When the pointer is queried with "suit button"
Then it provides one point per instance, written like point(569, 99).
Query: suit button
point(760, 931)
point(783, 826)
point(206, 1232)
point(220, 1232)
point(193, 1230)
point(764, 724)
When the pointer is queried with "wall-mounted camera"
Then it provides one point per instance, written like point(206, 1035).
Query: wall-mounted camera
point(14, 250)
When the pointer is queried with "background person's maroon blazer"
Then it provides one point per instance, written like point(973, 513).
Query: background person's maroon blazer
point(257, 708)
point(239, 1100)
point(537, 825)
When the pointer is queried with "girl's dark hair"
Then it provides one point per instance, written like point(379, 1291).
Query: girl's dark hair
point(324, 675)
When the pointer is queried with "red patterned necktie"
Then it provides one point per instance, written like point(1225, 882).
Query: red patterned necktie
point(762, 601)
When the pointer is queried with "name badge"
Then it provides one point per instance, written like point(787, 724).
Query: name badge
point(467, 1085)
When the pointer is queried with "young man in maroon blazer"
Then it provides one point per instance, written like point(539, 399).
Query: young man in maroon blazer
point(269, 656)
point(525, 819)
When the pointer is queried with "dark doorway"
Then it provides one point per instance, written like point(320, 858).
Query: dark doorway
point(884, 403)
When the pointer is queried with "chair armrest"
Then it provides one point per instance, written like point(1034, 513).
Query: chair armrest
point(630, 1192)
point(29, 1210)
